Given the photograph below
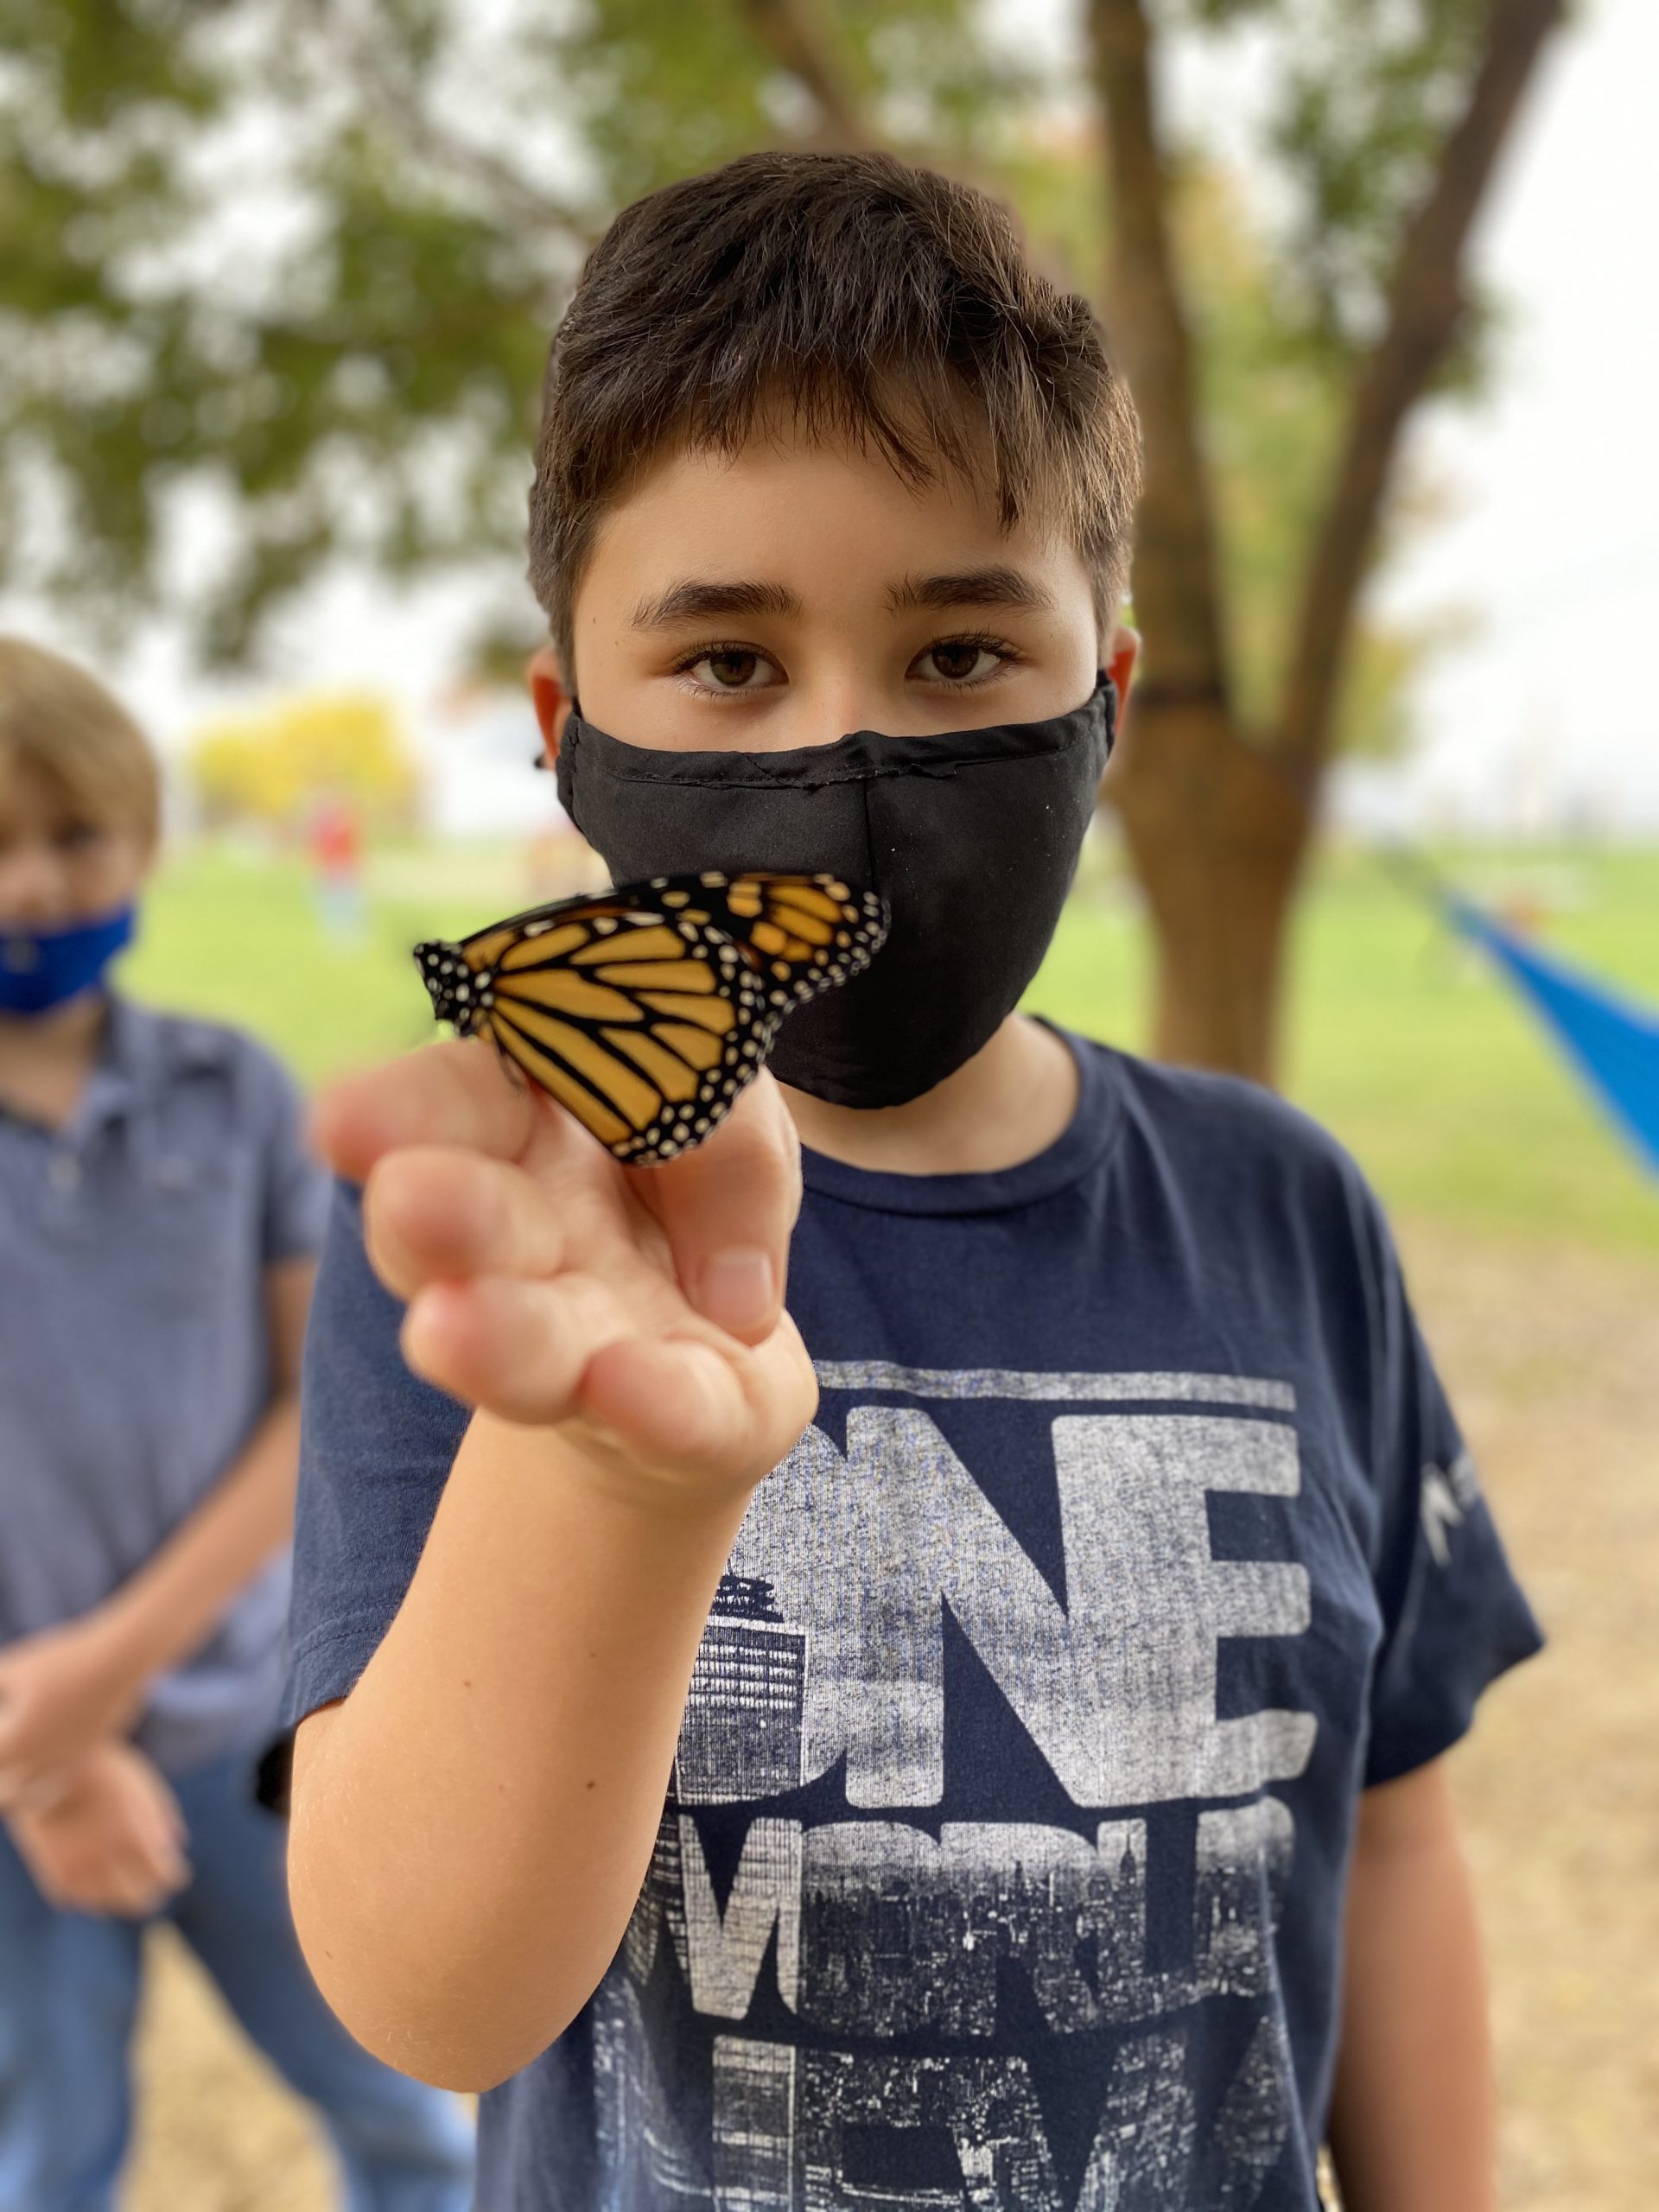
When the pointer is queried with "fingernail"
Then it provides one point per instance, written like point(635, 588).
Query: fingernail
point(736, 1288)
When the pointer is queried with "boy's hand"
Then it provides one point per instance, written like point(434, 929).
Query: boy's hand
point(111, 1839)
point(60, 1692)
point(548, 1285)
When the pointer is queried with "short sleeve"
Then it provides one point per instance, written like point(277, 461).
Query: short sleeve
point(294, 1215)
point(1454, 1616)
point(376, 1448)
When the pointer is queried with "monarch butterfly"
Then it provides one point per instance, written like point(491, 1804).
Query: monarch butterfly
point(645, 1010)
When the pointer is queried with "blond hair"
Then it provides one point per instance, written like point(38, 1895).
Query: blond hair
point(59, 725)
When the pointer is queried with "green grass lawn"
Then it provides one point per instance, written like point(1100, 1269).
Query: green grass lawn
point(1401, 1040)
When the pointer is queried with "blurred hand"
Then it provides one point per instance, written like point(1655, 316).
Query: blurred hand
point(60, 1692)
point(639, 1309)
point(109, 1839)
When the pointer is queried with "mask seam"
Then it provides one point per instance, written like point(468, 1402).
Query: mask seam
point(1104, 697)
point(870, 775)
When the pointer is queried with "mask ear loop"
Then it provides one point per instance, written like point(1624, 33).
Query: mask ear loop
point(1112, 706)
point(540, 759)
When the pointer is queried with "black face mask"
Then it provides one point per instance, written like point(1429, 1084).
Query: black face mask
point(972, 838)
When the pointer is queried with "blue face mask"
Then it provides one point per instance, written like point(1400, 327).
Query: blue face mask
point(40, 969)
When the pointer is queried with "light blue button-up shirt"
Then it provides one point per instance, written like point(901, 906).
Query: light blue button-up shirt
point(135, 1343)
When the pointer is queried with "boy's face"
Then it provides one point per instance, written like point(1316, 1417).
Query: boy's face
point(800, 591)
point(58, 866)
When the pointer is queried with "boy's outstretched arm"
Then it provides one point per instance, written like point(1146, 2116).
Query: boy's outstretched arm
point(1412, 2115)
point(472, 1826)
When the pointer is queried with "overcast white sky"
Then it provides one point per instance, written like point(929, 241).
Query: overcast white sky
point(1556, 547)
point(1553, 546)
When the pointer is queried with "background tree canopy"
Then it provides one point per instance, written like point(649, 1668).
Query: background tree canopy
point(296, 261)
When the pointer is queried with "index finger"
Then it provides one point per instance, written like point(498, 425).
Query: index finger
point(451, 1093)
point(727, 1208)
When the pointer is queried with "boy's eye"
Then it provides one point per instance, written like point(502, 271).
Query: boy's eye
point(732, 668)
point(77, 836)
point(959, 660)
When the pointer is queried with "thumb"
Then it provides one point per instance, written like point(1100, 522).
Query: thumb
point(727, 1208)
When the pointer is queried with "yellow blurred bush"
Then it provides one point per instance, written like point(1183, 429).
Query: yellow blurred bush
point(269, 768)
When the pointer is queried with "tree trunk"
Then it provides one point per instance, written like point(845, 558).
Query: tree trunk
point(1177, 586)
point(1218, 826)
point(1218, 838)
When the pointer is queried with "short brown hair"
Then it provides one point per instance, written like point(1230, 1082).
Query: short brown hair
point(879, 302)
point(59, 724)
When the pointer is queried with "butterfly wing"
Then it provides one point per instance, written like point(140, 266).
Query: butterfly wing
point(640, 1010)
point(800, 934)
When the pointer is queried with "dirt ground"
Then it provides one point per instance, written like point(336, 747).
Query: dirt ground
point(1553, 1361)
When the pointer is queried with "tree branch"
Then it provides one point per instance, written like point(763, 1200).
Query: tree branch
point(1176, 588)
point(799, 38)
point(514, 199)
point(1425, 302)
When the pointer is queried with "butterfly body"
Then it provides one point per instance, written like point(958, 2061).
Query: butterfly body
point(645, 1010)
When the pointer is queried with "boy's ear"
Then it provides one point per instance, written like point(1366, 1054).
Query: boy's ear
point(1120, 658)
point(552, 697)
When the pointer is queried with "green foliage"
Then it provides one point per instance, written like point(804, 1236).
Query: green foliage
point(663, 91)
point(1364, 91)
point(1274, 398)
point(217, 270)
point(307, 256)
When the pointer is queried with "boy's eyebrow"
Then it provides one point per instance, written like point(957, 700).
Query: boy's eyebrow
point(698, 597)
point(992, 587)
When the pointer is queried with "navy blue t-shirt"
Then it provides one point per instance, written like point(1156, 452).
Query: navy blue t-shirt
point(1004, 1860)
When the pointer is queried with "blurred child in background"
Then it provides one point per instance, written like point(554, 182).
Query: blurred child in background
point(159, 1216)
point(334, 837)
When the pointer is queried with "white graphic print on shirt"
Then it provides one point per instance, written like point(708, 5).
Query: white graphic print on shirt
point(827, 1645)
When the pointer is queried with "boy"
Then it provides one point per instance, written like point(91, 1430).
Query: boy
point(159, 1216)
point(952, 1800)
